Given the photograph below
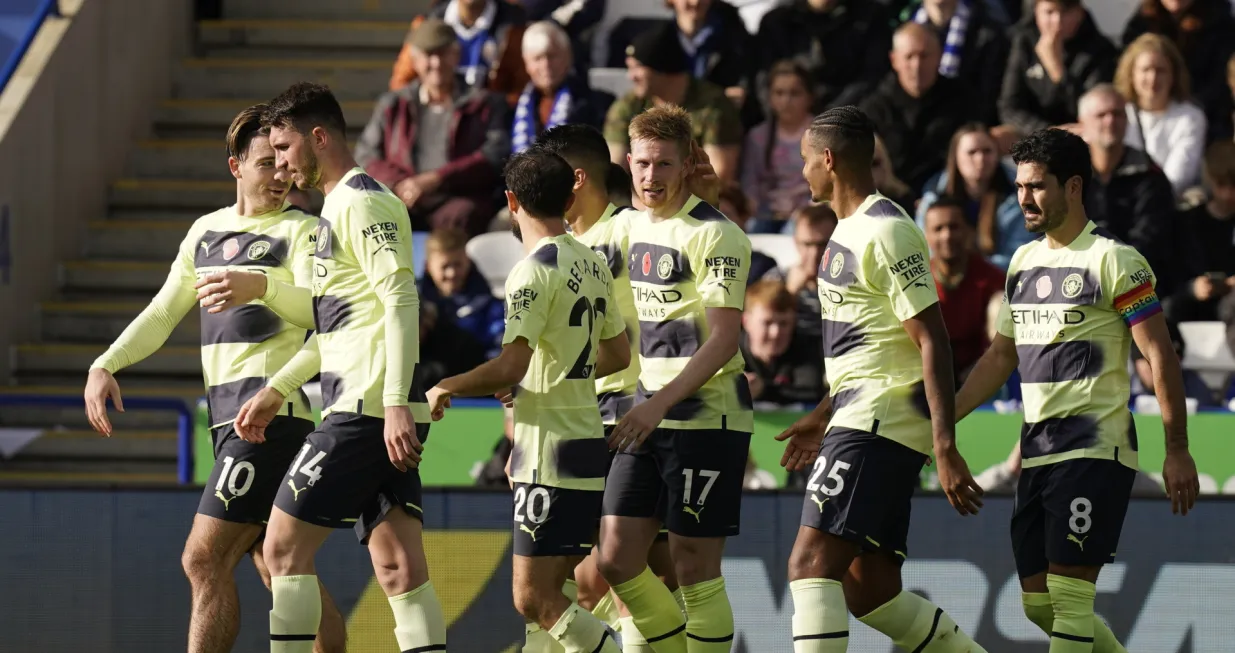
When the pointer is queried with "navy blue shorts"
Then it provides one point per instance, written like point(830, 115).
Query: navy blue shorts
point(554, 521)
point(1069, 513)
point(861, 489)
point(246, 477)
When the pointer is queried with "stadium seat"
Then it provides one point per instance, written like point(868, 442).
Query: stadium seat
point(495, 255)
point(1206, 352)
point(778, 246)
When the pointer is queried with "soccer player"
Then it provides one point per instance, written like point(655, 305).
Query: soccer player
point(359, 468)
point(682, 447)
point(890, 405)
point(1073, 301)
point(258, 248)
point(563, 329)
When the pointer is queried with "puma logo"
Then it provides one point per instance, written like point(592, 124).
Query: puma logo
point(693, 513)
point(529, 531)
point(206, 246)
point(1079, 541)
point(818, 502)
point(295, 492)
point(226, 502)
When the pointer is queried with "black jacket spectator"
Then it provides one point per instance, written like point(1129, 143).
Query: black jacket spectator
point(918, 131)
point(845, 47)
point(795, 377)
point(1210, 245)
point(1205, 35)
point(721, 51)
point(1138, 207)
point(1030, 100)
point(983, 57)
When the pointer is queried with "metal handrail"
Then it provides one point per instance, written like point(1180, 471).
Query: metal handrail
point(184, 436)
point(46, 9)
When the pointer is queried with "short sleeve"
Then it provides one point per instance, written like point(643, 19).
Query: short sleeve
point(1128, 280)
point(901, 268)
point(614, 324)
point(617, 121)
point(1004, 320)
point(529, 293)
point(720, 258)
point(379, 236)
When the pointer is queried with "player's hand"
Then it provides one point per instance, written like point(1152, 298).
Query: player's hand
point(219, 291)
point(439, 401)
point(957, 483)
point(101, 386)
point(637, 425)
point(507, 397)
point(1179, 477)
point(804, 438)
point(402, 445)
point(703, 182)
point(257, 413)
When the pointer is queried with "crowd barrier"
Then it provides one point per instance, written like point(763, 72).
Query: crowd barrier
point(100, 571)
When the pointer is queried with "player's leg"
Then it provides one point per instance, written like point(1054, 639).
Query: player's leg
point(296, 613)
point(332, 633)
point(397, 550)
point(703, 473)
point(211, 553)
point(627, 530)
point(872, 586)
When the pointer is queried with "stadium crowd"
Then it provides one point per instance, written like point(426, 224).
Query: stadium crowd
point(950, 85)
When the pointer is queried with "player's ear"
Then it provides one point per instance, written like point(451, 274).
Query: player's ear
point(512, 204)
point(580, 178)
point(233, 164)
point(319, 137)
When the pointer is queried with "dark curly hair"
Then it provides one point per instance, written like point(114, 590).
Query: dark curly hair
point(302, 107)
point(542, 182)
point(1063, 154)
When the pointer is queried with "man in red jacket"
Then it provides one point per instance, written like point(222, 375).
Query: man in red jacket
point(437, 143)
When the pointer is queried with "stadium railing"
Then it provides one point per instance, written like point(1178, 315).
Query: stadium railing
point(184, 422)
point(45, 9)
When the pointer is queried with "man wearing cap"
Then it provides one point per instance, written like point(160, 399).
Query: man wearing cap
point(438, 143)
point(659, 73)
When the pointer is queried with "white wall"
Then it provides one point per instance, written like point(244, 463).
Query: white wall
point(82, 95)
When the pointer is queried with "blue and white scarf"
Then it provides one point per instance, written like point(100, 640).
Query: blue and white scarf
point(954, 45)
point(477, 42)
point(526, 111)
point(697, 48)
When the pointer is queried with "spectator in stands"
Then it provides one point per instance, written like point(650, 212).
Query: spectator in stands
point(459, 291)
point(438, 144)
point(719, 50)
point(975, 46)
point(757, 478)
point(887, 182)
point(1162, 121)
point(967, 284)
point(915, 110)
point(1205, 35)
point(772, 159)
point(735, 207)
point(445, 348)
point(490, 34)
point(813, 225)
point(1194, 385)
point(577, 17)
point(1055, 58)
point(976, 178)
point(843, 43)
point(781, 369)
point(660, 74)
point(1210, 226)
point(491, 474)
point(1128, 195)
point(554, 96)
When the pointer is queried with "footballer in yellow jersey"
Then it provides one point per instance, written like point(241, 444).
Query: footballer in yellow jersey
point(1075, 300)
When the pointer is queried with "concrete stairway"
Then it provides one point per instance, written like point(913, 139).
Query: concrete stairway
point(257, 50)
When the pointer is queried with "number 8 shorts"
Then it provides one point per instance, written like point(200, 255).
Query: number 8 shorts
point(343, 477)
point(860, 489)
point(554, 521)
point(1069, 513)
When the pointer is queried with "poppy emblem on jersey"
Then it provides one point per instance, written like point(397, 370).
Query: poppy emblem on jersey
point(1073, 284)
point(1044, 287)
point(323, 237)
point(827, 253)
point(838, 265)
point(231, 248)
point(258, 250)
point(664, 267)
point(647, 264)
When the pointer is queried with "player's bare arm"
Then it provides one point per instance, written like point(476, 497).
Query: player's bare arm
point(988, 375)
point(489, 378)
point(725, 326)
point(1178, 469)
point(613, 355)
point(804, 437)
point(930, 336)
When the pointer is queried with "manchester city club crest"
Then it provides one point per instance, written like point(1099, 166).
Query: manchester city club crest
point(323, 237)
point(258, 250)
point(1073, 285)
point(838, 264)
point(664, 267)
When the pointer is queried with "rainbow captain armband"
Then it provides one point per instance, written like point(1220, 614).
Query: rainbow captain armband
point(1138, 304)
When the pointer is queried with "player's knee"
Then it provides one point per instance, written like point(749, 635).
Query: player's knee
point(201, 562)
point(616, 568)
point(530, 603)
point(279, 554)
point(394, 574)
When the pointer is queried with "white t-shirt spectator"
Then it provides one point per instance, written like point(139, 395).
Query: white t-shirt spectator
point(1174, 139)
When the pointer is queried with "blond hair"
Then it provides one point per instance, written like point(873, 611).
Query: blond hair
point(667, 122)
point(446, 241)
point(772, 294)
point(244, 127)
point(1180, 81)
